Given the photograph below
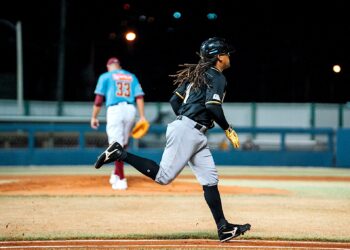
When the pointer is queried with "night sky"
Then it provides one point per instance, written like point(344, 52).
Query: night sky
point(285, 49)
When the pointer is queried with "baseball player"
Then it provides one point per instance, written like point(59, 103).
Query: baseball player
point(120, 89)
point(197, 102)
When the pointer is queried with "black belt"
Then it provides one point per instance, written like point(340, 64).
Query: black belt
point(120, 103)
point(198, 126)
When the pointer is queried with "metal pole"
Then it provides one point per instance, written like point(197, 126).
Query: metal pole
point(340, 115)
point(19, 68)
point(253, 117)
point(312, 117)
point(61, 58)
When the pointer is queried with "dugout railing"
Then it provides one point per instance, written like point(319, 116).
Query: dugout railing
point(78, 144)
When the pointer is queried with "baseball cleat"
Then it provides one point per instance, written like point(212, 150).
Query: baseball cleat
point(114, 178)
point(114, 152)
point(120, 185)
point(229, 231)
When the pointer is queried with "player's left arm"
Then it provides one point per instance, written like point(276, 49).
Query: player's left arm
point(218, 115)
point(213, 103)
point(94, 122)
point(138, 93)
point(141, 107)
point(214, 98)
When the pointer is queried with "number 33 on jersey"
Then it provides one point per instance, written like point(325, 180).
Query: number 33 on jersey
point(123, 84)
point(118, 86)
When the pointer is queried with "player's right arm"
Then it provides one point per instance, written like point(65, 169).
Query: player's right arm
point(177, 98)
point(100, 93)
point(94, 122)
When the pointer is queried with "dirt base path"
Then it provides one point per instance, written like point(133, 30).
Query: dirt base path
point(41, 194)
point(138, 185)
point(98, 185)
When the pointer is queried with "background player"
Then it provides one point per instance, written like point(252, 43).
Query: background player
point(120, 89)
point(197, 102)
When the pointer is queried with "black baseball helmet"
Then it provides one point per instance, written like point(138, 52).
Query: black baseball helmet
point(215, 46)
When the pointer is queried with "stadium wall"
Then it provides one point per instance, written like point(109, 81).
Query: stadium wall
point(271, 134)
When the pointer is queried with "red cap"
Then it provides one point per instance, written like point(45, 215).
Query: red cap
point(112, 60)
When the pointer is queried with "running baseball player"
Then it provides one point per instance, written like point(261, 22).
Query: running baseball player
point(197, 102)
point(120, 89)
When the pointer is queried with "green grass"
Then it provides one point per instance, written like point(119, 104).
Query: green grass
point(340, 190)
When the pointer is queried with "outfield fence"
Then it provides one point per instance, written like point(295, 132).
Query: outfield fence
point(76, 143)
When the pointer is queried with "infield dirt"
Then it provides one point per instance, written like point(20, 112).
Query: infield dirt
point(72, 206)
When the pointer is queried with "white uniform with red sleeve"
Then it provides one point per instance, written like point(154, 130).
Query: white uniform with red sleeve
point(120, 89)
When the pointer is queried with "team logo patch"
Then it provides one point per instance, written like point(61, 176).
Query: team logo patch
point(216, 97)
point(121, 77)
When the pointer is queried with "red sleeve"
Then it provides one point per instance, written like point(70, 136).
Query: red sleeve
point(139, 97)
point(98, 100)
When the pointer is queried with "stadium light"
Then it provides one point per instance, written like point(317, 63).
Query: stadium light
point(177, 15)
point(336, 68)
point(212, 16)
point(126, 6)
point(130, 36)
point(142, 18)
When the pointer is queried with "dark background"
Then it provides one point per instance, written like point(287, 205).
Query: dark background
point(285, 49)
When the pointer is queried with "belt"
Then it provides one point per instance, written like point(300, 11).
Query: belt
point(198, 126)
point(119, 103)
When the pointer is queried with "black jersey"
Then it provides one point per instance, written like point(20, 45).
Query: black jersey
point(194, 100)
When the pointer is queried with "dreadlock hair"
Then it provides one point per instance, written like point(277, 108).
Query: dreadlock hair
point(194, 73)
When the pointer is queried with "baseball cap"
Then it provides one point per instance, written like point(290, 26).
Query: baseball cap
point(112, 60)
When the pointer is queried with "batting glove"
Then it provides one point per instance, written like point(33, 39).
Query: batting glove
point(232, 136)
